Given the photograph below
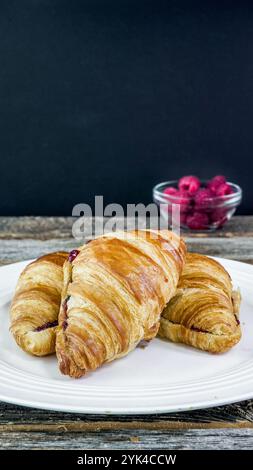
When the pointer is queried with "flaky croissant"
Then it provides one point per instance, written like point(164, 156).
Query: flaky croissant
point(35, 306)
point(115, 289)
point(204, 313)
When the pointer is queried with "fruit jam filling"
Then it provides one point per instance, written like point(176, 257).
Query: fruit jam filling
point(237, 320)
point(46, 326)
point(72, 255)
point(65, 312)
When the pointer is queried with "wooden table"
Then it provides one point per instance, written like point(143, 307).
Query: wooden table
point(226, 427)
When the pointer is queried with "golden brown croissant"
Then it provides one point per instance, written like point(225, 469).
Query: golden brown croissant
point(35, 306)
point(204, 312)
point(115, 289)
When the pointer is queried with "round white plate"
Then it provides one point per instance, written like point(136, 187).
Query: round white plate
point(163, 377)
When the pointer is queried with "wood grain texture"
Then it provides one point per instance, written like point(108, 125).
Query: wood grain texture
point(237, 248)
point(29, 237)
point(225, 427)
point(220, 439)
point(235, 414)
point(47, 228)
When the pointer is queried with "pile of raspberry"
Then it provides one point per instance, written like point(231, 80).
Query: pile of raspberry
point(199, 205)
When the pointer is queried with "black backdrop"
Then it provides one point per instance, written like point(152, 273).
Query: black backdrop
point(112, 96)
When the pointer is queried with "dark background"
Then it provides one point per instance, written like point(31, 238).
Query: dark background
point(110, 97)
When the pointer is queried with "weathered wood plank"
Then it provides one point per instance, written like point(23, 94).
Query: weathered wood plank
point(232, 248)
point(237, 414)
point(237, 248)
point(98, 426)
point(12, 251)
point(219, 439)
point(28, 237)
point(40, 228)
point(46, 228)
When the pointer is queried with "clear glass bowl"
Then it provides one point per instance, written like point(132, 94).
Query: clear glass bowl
point(215, 212)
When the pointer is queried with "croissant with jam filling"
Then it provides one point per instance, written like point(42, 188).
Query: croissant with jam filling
point(204, 313)
point(115, 289)
point(35, 306)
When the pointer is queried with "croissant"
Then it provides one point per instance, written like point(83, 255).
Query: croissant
point(115, 289)
point(35, 306)
point(204, 313)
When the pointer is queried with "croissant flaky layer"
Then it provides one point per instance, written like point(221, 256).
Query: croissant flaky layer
point(35, 306)
point(114, 292)
point(204, 313)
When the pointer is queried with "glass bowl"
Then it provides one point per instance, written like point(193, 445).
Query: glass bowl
point(213, 214)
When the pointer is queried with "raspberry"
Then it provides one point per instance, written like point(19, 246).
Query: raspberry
point(218, 179)
point(189, 183)
point(218, 217)
point(184, 200)
point(224, 189)
point(170, 191)
point(197, 221)
point(215, 182)
point(179, 197)
point(202, 198)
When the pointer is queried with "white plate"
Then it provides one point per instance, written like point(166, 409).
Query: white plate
point(163, 377)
